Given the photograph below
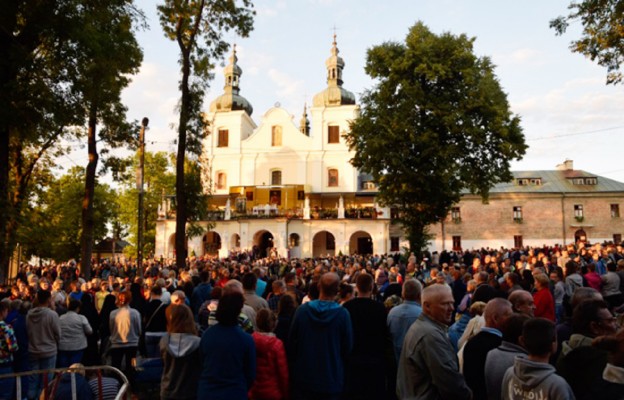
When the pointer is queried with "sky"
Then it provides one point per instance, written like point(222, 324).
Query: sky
point(567, 110)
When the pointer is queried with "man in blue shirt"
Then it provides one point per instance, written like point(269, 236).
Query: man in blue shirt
point(401, 317)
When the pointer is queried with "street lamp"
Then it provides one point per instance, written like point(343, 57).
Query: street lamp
point(140, 180)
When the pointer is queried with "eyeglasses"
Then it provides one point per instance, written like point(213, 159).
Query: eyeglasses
point(608, 319)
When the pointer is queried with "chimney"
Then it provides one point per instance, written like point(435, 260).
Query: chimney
point(567, 165)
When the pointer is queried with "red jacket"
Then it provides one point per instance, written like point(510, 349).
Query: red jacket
point(271, 369)
point(544, 304)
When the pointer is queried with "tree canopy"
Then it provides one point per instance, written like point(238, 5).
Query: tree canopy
point(198, 27)
point(602, 39)
point(435, 124)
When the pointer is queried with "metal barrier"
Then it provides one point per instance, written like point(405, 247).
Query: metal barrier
point(49, 394)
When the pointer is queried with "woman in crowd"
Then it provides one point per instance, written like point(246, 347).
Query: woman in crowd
point(91, 355)
point(180, 353)
point(271, 365)
point(74, 331)
point(110, 304)
point(125, 329)
point(228, 354)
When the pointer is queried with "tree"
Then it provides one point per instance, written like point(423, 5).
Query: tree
point(53, 228)
point(197, 26)
point(36, 102)
point(106, 53)
point(435, 124)
point(602, 39)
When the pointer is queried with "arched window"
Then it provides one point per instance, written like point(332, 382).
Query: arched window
point(276, 135)
point(332, 177)
point(276, 177)
point(221, 180)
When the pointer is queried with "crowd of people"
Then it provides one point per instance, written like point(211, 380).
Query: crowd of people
point(529, 323)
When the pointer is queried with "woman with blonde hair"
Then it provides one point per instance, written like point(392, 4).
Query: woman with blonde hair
point(180, 353)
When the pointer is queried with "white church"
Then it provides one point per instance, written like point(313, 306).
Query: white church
point(285, 186)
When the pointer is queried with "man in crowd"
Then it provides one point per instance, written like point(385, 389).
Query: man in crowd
point(522, 302)
point(401, 317)
point(580, 364)
point(533, 377)
point(428, 367)
point(321, 338)
point(251, 298)
point(44, 333)
point(490, 337)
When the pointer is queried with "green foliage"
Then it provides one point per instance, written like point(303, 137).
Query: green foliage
point(198, 27)
point(52, 227)
point(602, 39)
point(435, 124)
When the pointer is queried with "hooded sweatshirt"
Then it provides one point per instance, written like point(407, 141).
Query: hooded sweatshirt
point(181, 361)
point(44, 332)
point(321, 338)
point(581, 364)
point(534, 380)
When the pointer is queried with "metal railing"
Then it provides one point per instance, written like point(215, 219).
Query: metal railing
point(49, 394)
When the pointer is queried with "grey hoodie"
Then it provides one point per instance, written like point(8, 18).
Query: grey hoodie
point(44, 332)
point(181, 365)
point(534, 380)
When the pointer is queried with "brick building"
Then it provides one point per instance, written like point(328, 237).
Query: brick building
point(538, 207)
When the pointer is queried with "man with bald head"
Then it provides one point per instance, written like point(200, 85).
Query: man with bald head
point(522, 302)
point(428, 367)
point(490, 337)
point(321, 339)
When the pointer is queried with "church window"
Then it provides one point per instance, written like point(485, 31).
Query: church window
point(517, 213)
point(276, 135)
point(276, 177)
point(221, 180)
point(578, 211)
point(333, 134)
point(222, 140)
point(615, 211)
point(332, 177)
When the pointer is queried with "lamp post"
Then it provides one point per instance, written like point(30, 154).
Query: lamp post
point(140, 180)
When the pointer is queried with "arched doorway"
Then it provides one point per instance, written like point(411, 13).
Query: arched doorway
point(263, 243)
point(294, 245)
point(323, 244)
point(361, 243)
point(235, 242)
point(211, 243)
point(580, 236)
point(171, 253)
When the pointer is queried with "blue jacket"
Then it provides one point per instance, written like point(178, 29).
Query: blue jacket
point(228, 363)
point(321, 338)
point(200, 294)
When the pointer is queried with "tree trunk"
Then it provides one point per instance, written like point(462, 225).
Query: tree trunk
point(86, 236)
point(185, 105)
point(5, 253)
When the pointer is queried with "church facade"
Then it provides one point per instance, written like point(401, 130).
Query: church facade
point(287, 187)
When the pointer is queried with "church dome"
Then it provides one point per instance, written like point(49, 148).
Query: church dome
point(334, 94)
point(231, 100)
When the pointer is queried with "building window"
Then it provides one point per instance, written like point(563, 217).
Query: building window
point(455, 214)
point(293, 240)
point(332, 177)
point(333, 134)
point(222, 140)
point(517, 214)
point(276, 135)
point(536, 181)
point(394, 243)
point(518, 241)
point(457, 243)
point(617, 238)
point(578, 211)
point(276, 177)
point(523, 182)
point(368, 185)
point(591, 181)
point(615, 211)
point(221, 180)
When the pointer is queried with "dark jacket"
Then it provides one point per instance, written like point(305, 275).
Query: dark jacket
point(366, 365)
point(181, 361)
point(228, 363)
point(475, 353)
point(321, 339)
point(64, 388)
point(200, 294)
